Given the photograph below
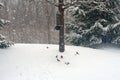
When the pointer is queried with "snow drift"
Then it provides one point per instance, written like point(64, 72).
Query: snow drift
point(38, 62)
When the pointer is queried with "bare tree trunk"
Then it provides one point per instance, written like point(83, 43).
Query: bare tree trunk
point(61, 33)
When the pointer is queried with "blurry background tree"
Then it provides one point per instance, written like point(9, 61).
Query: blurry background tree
point(94, 23)
point(3, 42)
point(32, 21)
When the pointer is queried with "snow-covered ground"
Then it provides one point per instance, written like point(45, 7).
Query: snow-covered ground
point(38, 62)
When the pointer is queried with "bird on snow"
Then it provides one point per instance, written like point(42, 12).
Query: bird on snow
point(47, 47)
point(67, 63)
point(57, 58)
point(77, 53)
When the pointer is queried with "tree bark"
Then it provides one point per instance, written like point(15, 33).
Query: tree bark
point(61, 33)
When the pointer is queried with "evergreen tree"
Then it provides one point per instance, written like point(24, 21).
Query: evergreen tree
point(3, 42)
point(94, 23)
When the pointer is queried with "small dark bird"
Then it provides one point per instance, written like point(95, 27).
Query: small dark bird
point(58, 60)
point(77, 53)
point(47, 47)
point(61, 56)
point(56, 56)
point(67, 63)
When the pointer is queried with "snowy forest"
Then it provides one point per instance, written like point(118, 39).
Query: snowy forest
point(31, 21)
point(87, 23)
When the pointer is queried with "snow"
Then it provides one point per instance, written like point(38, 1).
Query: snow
point(38, 62)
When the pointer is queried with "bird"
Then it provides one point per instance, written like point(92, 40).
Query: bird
point(67, 63)
point(77, 53)
point(47, 47)
point(56, 56)
point(61, 56)
point(58, 60)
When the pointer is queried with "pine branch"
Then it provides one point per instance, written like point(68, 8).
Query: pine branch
point(77, 2)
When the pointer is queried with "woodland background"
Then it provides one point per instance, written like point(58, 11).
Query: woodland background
point(32, 21)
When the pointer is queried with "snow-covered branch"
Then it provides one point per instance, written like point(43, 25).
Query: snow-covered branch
point(4, 22)
point(77, 2)
point(1, 5)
